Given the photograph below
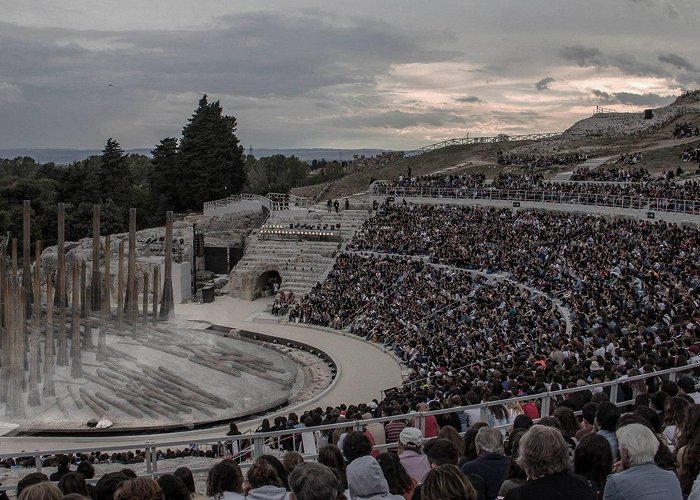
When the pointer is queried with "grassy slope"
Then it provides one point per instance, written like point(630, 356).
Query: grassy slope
point(661, 152)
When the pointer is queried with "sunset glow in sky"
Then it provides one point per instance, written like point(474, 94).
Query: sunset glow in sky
point(394, 74)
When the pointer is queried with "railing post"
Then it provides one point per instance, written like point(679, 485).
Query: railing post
point(258, 446)
point(154, 459)
point(546, 403)
point(37, 462)
point(149, 463)
point(613, 393)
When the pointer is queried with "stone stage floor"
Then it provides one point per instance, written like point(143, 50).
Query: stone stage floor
point(364, 370)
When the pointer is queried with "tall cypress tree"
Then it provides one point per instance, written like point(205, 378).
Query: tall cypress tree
point(165, 194)
point(115, 178)
point(211, 158)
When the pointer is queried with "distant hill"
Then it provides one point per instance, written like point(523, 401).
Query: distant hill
point(67, 156)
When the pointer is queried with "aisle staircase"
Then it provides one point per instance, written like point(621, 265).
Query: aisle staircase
point(300, 262)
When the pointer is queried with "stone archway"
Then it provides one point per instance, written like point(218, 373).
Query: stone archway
point(264, 285)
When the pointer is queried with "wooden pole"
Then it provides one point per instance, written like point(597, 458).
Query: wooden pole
point(145, 298)
point(4, 335)
point(49, 367)
point(131, 292)
point(120, 288)
point(156, 288)
point(14, 407)
point(76, 370)
point(62, 354)
point(107, 288)
point(167, 303)
point(27, 258)
point(85, 307)
point(95, 284)
point(33, 398)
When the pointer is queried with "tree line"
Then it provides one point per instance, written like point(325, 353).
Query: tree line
point(206, 163)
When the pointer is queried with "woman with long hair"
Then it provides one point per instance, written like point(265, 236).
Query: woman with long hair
point(447, 482)
point(450, 433)
point(264, 483)
point(688, 446)
point(225, 481)
point(516, 475)
point(674, 417)
point(497, 415)
point(469, 442)
point(332, 457)
point(593, 460)
point(400, 482)
point(73, 482)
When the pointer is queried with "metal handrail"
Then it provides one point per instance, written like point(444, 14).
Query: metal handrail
point(563, 197)
point(545, 396)
point(482, 140)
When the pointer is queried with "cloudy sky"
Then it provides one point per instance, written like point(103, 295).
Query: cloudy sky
point(394, 74)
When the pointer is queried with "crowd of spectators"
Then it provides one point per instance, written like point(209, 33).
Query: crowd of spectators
point(685, 129)
point(609, 452)
point(691, 154)
point(535, 161)
point(436, 319)
point(612, 174)
point(441, 181)
point(656, 187)
point(629, 158)
point(617, 276)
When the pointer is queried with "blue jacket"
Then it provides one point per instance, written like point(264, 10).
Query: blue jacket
point(643, 482)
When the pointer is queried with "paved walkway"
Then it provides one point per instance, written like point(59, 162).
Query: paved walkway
point(591, 163)
point(364, 370)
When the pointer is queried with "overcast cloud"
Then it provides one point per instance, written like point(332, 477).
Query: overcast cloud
point(395, 74)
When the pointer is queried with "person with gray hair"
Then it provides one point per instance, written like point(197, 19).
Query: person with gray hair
point(640, 478)
point(313, 481)
point(491, 463)
point(544, 456)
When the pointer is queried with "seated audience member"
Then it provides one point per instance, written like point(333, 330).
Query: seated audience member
point(400, 483)
point(63, 463)
point(73, 482)
point(264, 483)
point(88, 472)
point(30, 479)
point(185, 475)
point(173, 487)
point(312, 481)
point(140, 488)
point(108, 484)
point(225, 481)
point(593, 460)
point(355, 445)
point(443, 452)
point(516, 475)
point(447, 482)
point(292, 459)
point(41, 491)
point(674, 418)
point(544, 456)
point(492, 465)
point(686, 386)
point(332, 457)
point(411, 455)
point(366, 480)
point(639, 477)
point(688, 456)
point(606, 418)
point(588, 422)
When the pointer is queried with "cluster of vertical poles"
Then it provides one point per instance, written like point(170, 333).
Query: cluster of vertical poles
point(26, 320)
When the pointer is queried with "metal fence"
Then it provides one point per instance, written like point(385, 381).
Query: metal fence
point(247, 447)
point(462, 141)
point(592, 199)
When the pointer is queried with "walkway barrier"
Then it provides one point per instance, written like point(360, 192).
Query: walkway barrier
point(463, 141)
point(600, 200)
point(247, 447)
point(273, 201)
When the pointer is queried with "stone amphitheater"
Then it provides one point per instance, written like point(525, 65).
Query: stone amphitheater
point(299, 263)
